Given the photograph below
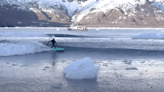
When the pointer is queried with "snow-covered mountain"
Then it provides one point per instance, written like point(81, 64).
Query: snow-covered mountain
point(158, 3)
point(27, 12)
point(110, 13)
point(117, 13)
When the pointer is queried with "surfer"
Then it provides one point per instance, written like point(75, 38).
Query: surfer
point(54, 44)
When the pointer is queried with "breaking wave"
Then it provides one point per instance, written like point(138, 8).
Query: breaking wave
point(8, 49)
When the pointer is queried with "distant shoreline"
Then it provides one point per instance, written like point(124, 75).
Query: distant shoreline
point(87, 28)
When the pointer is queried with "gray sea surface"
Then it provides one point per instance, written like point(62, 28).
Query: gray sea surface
point(125, 64)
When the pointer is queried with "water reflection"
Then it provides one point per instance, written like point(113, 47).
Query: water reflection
point(85, 85)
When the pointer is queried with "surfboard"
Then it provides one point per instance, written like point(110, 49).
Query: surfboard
point(57, 49)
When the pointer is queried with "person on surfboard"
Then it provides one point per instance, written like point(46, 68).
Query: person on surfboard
point(54, 44)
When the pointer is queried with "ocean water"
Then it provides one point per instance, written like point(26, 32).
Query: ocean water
point(28, 64)
point(15, 41)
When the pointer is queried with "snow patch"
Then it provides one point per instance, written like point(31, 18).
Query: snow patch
point(8, 49)
point(72, 7)
point(109, 4)
point(81, 69)
point(105, 5)
point(159, 5)
point(80, 16)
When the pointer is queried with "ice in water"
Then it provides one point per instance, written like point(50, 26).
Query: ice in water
point(81, 69)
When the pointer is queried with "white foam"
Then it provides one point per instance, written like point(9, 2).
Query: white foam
point(8, 49)
point(81, 69)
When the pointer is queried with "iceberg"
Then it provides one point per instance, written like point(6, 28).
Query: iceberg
point(81, 69)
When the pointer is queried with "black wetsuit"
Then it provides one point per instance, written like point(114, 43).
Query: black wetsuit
point(54, 44)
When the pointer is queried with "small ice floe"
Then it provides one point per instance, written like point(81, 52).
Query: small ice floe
point(19, 22)
point(33, 22)
point(81, 69)
point(57, 85)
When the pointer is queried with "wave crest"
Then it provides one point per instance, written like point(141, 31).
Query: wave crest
point(8, 49)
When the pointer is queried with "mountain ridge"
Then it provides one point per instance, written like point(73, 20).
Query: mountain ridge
point(93, 13)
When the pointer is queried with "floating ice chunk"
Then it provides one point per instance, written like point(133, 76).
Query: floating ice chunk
point(81, 69)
